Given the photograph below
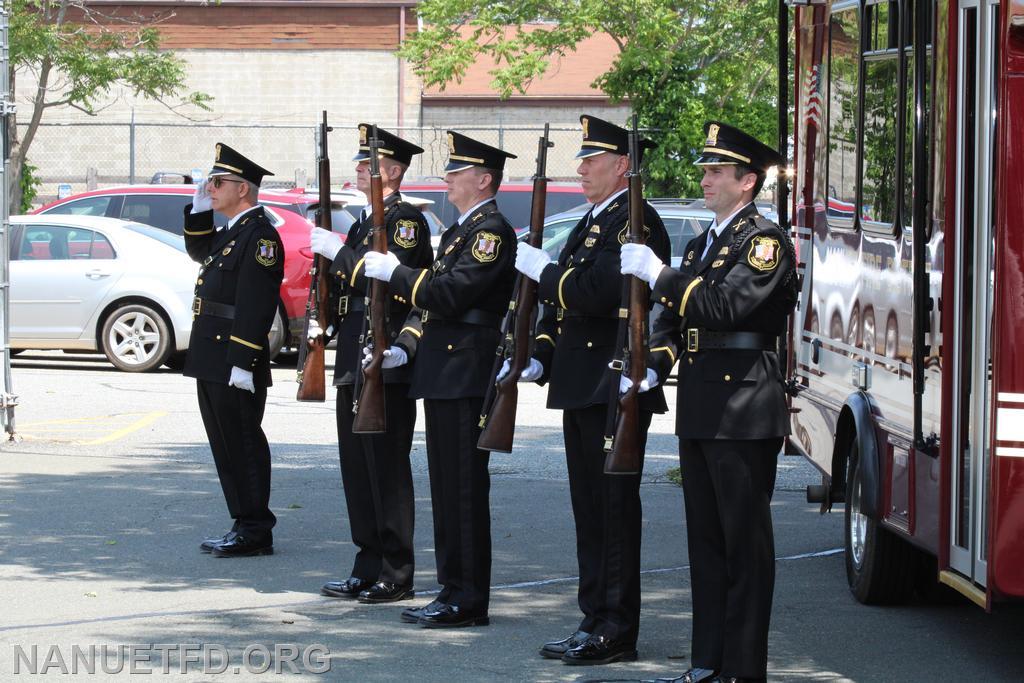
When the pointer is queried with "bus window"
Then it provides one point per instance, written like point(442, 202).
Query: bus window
point(926, 106)
point(844, 41)
point(881, 100)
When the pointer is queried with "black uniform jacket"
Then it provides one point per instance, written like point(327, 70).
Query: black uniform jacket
point(240, 268)
point(582, 294)
point(462, 298)
point(409, 240)
point(747, 283)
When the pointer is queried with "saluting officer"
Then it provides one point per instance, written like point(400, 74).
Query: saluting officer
point(463, 296)
point(375, 470)
point(725, 309)
point(236, 298)
point(575, 342)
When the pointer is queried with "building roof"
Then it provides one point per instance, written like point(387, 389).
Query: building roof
point(567, 78)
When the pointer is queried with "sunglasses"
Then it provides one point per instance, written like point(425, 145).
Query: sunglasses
point(217, 181)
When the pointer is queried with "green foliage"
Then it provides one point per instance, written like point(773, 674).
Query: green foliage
point(92, 56)
point(679, 63)
point(30, 183)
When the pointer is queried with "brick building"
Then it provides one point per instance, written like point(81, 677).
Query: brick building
point(273, 65)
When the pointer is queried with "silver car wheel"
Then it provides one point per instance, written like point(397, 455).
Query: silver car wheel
point(136, 338)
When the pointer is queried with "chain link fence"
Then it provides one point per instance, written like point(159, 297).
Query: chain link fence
point(89, 155)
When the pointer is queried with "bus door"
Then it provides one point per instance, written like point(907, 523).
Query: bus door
point(974, 277)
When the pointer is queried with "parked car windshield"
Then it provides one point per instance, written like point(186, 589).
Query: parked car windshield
point(170, 239)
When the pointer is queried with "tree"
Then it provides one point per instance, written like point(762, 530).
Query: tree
point(77, 55)
point(680, 62)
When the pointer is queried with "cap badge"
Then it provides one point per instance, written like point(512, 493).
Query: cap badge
point(586, 128)
point(362, 135)
point(713, 135)
point(216, 153)
point(451, 143)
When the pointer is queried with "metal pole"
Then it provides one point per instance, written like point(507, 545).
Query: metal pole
point(131, 149)
point(7, 399)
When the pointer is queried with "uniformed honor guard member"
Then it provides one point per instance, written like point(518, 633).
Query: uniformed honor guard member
point(725, 310)
point(375, 470)
point(574, 344)
point(236, 298)
point(463, 296)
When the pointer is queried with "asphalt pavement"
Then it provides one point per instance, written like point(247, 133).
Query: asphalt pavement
point(106, 496)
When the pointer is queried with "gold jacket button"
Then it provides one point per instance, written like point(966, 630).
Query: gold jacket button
point(663, 299)
point(450, 347)
point(689, 360)
point(728, 378)
point(199, 281)
point(218, 337)
point(670, 304)
point(590, 345)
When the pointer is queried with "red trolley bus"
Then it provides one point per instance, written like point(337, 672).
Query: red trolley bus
point(908, 215)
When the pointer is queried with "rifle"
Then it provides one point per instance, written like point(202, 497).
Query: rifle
point(310, 377)
point(370, 413)
point(498, 418)
point(625, 454)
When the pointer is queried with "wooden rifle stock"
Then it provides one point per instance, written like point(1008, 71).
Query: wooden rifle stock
point(311, 375)
point(370, 412)
point(626, 454)
point(499, 408)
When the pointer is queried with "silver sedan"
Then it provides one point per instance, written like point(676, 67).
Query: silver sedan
point(92, 283)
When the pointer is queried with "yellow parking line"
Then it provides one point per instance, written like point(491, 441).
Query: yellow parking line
point(87, 427)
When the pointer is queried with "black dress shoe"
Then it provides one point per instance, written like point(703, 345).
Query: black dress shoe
point(382, 591)
point(452, 616)
point(349, 588)
point(209, 544)
point(556, 648)
point(242, 546)
point(411, 615)
point(600, 650)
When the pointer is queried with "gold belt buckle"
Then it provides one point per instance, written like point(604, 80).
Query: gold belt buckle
point(423, 318)
point(559, 314)
point(343, 305)
point(692, 340)
point(197, 306)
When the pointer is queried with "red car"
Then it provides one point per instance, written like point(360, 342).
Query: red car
point(162, 206)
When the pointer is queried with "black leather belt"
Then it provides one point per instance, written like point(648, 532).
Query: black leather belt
point(350, 303)
point(202, 306)
point(475, 316)
point(562, 314)
point(706, 340)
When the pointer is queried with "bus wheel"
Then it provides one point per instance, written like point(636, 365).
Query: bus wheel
point(879, 565)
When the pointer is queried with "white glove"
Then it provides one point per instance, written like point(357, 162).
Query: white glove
point(325, 243)
point(201, 200)
point(241, 379)
point(380, 266)
point(531, 373)
point(393, 357)
point(646, 384)
point(315, 331)
point(639, 260)
point(531, 261)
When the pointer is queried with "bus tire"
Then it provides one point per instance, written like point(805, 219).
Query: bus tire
point(879, 565)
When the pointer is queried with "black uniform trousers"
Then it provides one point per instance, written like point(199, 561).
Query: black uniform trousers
point(608, 515)
point(233, 418)
point(377, 478)
point(727, 488)
point(460, 494)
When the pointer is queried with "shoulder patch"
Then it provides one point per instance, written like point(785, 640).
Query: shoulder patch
point(764, 253)
point(266, 252)
point(405, 233)
point(486, 246)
